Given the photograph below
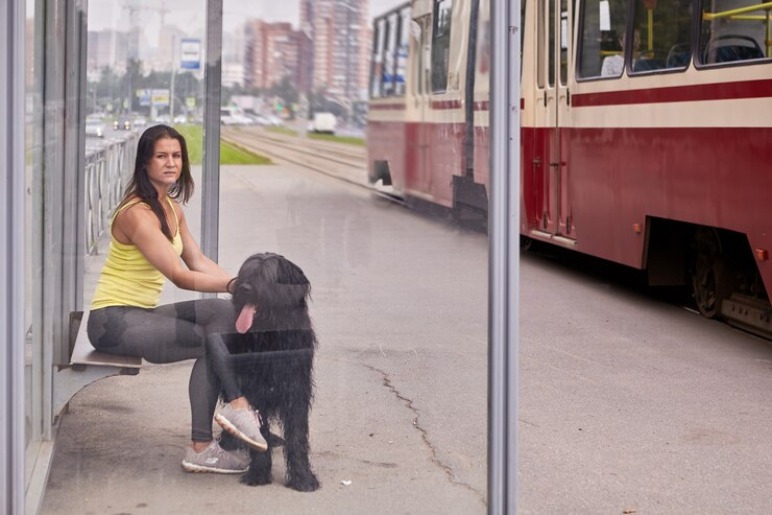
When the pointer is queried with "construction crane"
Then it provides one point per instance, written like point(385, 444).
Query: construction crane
point(133, 8)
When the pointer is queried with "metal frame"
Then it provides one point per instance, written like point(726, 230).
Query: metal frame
point(504, 260)
point(210, 175)
point(12, 483)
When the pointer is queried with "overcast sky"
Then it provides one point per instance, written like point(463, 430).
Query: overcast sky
point(189, 14)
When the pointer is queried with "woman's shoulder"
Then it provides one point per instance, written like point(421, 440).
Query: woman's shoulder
point(133, 208)
point(131, 202)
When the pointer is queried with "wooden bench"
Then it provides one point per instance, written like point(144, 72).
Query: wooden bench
point(86, 364)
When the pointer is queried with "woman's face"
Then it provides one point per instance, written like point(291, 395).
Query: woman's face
point(165, 164)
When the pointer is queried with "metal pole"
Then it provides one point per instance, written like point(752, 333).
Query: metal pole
point(503, 223)
point(210, 177)
point(12, 444)
point(171, 92)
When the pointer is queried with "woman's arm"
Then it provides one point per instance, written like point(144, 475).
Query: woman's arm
point(140, 227)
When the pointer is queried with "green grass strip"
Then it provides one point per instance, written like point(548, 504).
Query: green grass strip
point(229, 154)
point(348, 140)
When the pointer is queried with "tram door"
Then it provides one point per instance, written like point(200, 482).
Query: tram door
point(553, 115)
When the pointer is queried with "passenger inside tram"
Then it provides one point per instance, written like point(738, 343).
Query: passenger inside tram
point(614, 64)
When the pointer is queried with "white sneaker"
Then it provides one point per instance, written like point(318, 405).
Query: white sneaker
point(216, 459)
point(243, 424)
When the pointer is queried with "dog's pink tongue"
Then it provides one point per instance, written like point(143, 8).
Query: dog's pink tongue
point(244, 322)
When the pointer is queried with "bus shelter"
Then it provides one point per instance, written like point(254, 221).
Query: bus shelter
point(56, 191)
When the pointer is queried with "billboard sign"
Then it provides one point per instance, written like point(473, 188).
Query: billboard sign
point(159, 97)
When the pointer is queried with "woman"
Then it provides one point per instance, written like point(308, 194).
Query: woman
point(149, 234)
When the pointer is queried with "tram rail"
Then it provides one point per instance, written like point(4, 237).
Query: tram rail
point(338, 160)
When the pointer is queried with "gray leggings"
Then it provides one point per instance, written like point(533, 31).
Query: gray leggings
point(170, 333)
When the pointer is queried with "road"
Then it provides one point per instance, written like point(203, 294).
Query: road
point(632, 405)
point(627, 404)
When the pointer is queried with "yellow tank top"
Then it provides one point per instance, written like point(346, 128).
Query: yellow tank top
point(127, 278)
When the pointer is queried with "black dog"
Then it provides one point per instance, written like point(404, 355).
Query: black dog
point(273, 358)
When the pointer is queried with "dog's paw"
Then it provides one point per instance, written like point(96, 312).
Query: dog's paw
point(307, 483)
point(252, 479)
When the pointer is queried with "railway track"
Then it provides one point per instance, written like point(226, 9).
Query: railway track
point(338, 160)
point(323, 157)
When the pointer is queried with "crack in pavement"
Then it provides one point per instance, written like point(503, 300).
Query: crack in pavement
point(425, 435)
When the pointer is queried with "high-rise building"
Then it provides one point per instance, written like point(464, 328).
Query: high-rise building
point(107, 49)
point(275, 51)
point(341, 39)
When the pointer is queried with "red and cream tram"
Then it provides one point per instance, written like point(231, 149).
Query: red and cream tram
point(646, 132)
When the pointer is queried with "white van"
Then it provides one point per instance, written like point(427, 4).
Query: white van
point(323, 123)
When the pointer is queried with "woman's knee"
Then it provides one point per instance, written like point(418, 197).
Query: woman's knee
point(216, 314)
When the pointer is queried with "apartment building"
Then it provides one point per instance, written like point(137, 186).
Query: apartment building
point(274, 51)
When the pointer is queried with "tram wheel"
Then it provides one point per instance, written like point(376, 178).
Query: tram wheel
point(708, 273)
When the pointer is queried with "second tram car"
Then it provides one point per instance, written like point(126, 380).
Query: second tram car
point(646, 132)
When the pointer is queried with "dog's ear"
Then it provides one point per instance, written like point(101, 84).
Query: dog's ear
point(290, 273)
point(282, 295)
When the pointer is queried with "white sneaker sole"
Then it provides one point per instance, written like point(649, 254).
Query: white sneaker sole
point(192, 467)
point(226, 424)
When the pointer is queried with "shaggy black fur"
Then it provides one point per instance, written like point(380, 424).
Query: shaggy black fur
point(274, 362)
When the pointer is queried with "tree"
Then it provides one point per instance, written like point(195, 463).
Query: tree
point(285, 90)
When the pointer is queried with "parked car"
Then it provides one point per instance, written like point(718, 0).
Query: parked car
point(274, 120)
point(180, 119)
point(234, 116)
point(95, 128)
point(122, 123)
point(323, 123)
point(140, 121)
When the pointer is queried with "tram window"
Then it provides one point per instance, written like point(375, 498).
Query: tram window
point(484, 43)
point(389, 56)
point(551, 44)
point(730, 36)
point(663, 30)
point(376, 67)
point(602, 29)
point(441, 44)
point(540, 47)
point(401, 52)
point(564, 35)
point(422, 30)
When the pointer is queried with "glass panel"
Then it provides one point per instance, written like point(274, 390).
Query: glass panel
point(564, 35)
point(551, 43)
point(295, 180)
point(601, 52)
point(402, 51)
point(734, 30)
point(662, 35)
point(441, 44)
point(377, 59)
point(541, 47)
point(390, 55)
point(32, 348)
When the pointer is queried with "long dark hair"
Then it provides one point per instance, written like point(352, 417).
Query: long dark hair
point(140, 185)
